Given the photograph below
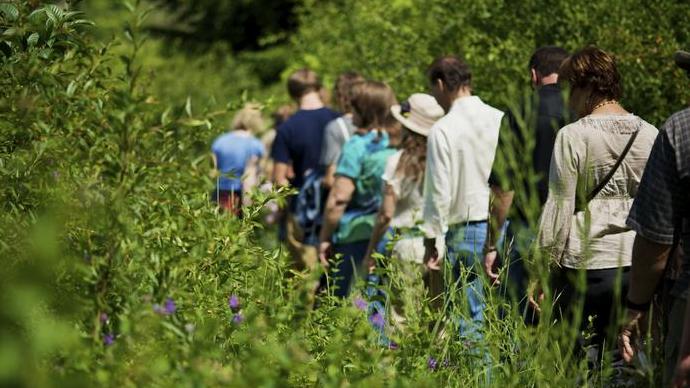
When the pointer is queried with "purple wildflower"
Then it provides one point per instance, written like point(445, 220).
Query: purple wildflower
point(237, 318)
point(432, 363)
point(360, 303)
point(234, 303)
point(377, 320)
point(170, 307)
point(103, 317)
point(158, 309)
point(393, 345)
point(108, 339)
point(446, 363)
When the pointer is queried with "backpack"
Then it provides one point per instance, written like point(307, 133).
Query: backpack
point(311, 198)
point(309, 207)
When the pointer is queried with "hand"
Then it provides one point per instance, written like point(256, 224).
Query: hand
point(325, 253)
point(535, 297)
point(630, 331)
point(490, 265)
point(369, 262)
point(682, 375)
point(431, 258)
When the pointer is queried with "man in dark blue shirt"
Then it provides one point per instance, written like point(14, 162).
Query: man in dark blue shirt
point(298, 141)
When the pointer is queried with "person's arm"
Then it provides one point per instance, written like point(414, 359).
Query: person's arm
point(330, 150)
point(337, 202)
point(383, 219)
point(281, 157)
point(555, 222)
point(437, 195)
point(658, 203)
point(648, 263)
point(498, 212)
point(329, 176)
point(251, 178)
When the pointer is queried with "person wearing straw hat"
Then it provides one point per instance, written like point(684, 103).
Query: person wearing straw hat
point(401, 209)
point(661, 217)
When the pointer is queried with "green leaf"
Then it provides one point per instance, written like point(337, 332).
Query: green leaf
point(32, 39)
point(188, 106)
point(193, 122)
point(9, 12)
point(71, 88)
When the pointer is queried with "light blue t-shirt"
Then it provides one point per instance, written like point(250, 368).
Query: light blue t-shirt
point(363, 160)
point(233, 151)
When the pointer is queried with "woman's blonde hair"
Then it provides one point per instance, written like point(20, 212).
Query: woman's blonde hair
point(249, 118)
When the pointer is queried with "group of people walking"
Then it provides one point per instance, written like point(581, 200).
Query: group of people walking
point(454, 186)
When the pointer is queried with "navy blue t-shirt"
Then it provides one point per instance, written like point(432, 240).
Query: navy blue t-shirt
point(299, 140)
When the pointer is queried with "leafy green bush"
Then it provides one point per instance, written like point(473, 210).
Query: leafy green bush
point(395, 41)
point(119, 271)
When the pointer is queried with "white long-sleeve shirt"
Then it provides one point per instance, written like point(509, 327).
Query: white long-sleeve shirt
point(460, 152)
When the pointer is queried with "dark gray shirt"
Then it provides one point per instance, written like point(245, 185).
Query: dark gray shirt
point(661, 211)
point(337, 132)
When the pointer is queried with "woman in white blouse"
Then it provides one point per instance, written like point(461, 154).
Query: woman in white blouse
point(595, 171)
point(401, 210)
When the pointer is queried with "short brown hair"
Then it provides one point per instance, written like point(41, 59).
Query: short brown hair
point(371, 103)
point(595, 70)
point(301, 82)
point(452, 71)
point(343, 90)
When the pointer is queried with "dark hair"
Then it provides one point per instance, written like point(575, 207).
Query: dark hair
point(413, 158)
point(451, 70)
point(547, 59)
point(371, 103)
point(343, 90)
point(594, 70)
point(302, 82)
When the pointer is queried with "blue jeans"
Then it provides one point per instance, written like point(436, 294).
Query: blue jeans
point(464, 244)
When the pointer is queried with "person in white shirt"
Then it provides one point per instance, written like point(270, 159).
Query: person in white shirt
point(460, 153)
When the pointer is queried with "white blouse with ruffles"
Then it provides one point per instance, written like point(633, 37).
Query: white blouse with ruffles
point(584, 153)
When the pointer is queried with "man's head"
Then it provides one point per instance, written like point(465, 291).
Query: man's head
point(302, 82)
point(448, 76)
point(545, 63)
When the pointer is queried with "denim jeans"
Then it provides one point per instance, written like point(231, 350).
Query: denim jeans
point(464, 244)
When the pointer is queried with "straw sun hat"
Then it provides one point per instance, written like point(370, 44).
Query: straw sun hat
point(418, 113)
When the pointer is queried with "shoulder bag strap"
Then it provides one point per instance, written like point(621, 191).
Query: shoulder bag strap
point(613, 170)
point(343, 128)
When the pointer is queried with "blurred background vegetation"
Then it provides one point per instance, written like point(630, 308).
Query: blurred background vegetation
point(106, 117)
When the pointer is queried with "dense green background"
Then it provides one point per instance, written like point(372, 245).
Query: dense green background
point(104, 133)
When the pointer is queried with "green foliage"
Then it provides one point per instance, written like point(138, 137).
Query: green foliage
point(245, 25)
point(105, 210)
point(395, 42)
